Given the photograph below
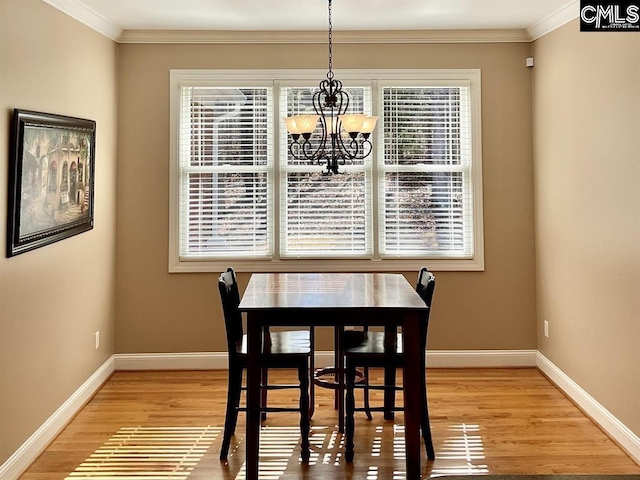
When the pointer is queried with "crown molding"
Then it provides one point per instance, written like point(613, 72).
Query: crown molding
point(77, 10)
point(554, 20)
point(80, 12)
point(309, 37)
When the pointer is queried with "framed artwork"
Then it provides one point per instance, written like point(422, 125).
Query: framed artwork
point(51, 180)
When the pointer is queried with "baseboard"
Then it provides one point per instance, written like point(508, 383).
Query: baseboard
point(36, 443)
point(481, 358)
point(189, 361)
point(218, 360)
point(171, 361)
point(627, 440)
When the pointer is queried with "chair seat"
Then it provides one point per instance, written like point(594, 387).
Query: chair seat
point(376, 343)
point(290, 343)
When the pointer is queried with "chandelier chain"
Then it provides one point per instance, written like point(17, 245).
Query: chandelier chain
point(330, 72)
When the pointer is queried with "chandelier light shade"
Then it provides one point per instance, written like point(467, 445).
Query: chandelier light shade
point(331, 136)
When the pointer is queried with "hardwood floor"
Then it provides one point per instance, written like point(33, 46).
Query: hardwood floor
point(158, 425)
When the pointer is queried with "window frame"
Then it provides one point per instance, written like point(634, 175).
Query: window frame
point(242, 78)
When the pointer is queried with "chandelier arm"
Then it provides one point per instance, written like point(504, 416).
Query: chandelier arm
point(351, 151)
point(303, 151)
point(296, 149)
point(292, 151)
point(310, 154)
point(342, 97)
point(320, 99)
point(317, 107)
point(368, 143)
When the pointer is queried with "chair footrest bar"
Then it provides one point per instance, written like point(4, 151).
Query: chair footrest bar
point(377, 409)
point(278, 409)
point(379, 387)
point(279, 387)
point(272, 409)
point(275, 387)
point(326, 378)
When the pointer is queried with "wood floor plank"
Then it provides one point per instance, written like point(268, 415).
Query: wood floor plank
point(156, 425)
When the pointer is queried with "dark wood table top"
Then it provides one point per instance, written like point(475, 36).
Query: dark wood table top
point(332, 291)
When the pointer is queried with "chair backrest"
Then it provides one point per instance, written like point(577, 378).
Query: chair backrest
point(230, 296)
point(425, 287)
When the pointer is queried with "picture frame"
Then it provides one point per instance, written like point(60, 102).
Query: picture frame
point(51, 179)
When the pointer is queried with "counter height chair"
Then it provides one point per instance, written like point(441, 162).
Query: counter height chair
point(288, 349)
point(380, 349)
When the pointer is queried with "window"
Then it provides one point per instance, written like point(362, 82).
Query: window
point(425, 185)
point(225, 165)
point(239, 197)
point(323, 216)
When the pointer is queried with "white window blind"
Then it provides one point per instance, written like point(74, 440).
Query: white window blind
point(425, 189)
point(324, 216)
point(226, 145)
point(239, 197)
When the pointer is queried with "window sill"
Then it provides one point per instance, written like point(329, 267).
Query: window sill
point(331, 265)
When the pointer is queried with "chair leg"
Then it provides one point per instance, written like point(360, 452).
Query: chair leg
point(231, 417)
point(303, 377)
point(390, 341)
point(263, 393)
point(390, 392)
point(425, 425)
point(339, 366)
point(350, 410)
point(367, 407)
point(312, 369)
point(340, 377)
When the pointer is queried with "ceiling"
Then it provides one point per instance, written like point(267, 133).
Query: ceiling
point(114, 17)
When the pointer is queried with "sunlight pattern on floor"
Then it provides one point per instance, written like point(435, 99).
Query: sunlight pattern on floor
point(278, 446)
point(461, 450)
point(280, 452)
point(399, 452)
point(376, 445)
point(148, 453)
point(332, 452)
point(399, 448)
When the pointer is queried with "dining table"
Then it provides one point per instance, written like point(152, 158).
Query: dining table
point(334, 300)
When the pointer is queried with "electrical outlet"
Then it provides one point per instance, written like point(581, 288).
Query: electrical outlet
point(546, 329)
point(97, 339)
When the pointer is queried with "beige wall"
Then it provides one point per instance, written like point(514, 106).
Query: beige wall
point(53, 299)
point(162, 312)
point(586, 97)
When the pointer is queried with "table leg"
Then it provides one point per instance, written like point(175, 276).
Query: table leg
point(339, 362)
point(411, 391)
point(254, 346)
point(390, 338)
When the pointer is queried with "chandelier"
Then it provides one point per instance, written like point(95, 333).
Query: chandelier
point(342, 137)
